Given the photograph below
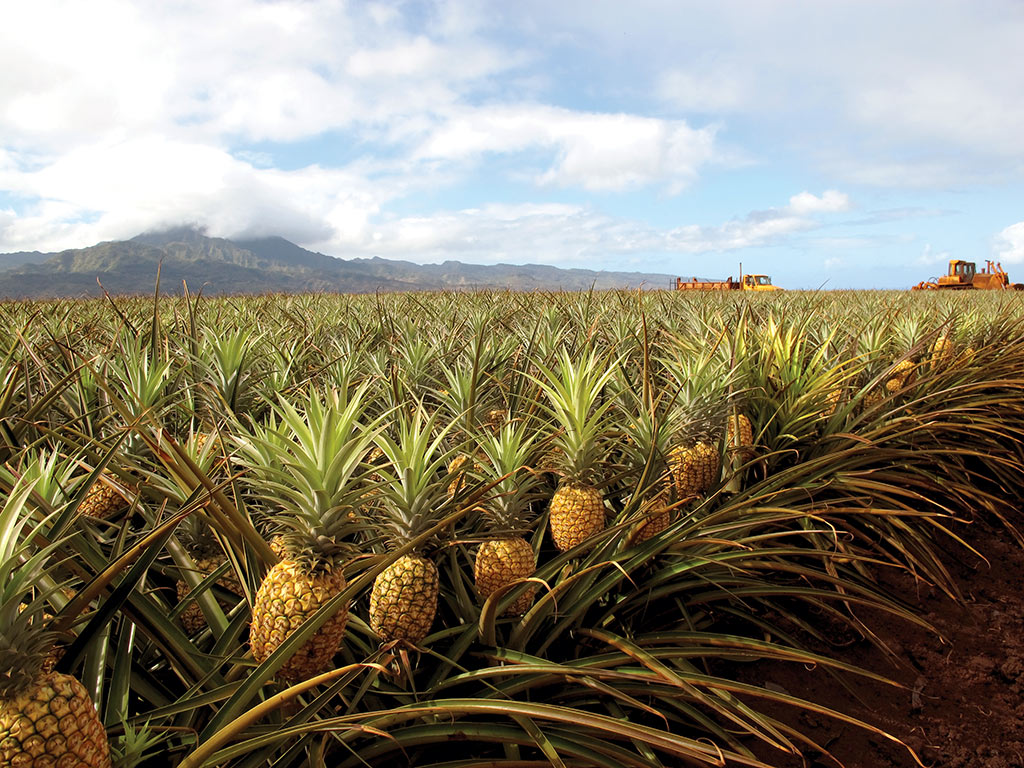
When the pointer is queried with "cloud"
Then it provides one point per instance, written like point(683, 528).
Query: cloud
point(126, 116)
point(908, 94)
point(704, 90)
point(569, 235)
point(832, 201)
point(117, 190)
point(599, 152)
point(1010, 244)
point(887, 215)
point(931, 257)
point(266, 71)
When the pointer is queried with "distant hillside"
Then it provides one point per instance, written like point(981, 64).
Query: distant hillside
point(268, 265)
point(12, 260)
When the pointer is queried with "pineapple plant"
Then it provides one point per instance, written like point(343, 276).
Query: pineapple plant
point(908, 335)
point(645, 451)
point(46, 717)
point(464, 401)
point(414, 499)
point(574, 390)
point(307, 465)
point(697, 414)
point(506, 557)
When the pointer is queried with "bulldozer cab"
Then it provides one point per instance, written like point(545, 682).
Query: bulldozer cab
point(962, 269)
point(960, 275)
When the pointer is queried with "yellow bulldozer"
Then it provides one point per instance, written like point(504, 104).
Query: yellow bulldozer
point(963, 276)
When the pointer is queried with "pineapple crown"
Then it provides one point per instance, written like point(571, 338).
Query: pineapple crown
point(576, 403)
point(24, 639)
point(698, 407)
point(52, 476)
point(648, 439)
point(510, 457)
point(310, 467)
point(416, 478)
point(315, 550)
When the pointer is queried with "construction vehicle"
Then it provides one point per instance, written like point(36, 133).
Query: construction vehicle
point(963, 276)
point(745, 283)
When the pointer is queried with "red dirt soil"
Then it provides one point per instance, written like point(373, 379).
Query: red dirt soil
point(963, 702)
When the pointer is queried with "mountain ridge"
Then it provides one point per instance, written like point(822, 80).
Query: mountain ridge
point(188, 256)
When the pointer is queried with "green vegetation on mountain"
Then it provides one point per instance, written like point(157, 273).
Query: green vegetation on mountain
point(267, 265)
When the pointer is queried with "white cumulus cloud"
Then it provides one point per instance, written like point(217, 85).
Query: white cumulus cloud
point(116, 190)
point(1010, 244)
point(591, 150)
point(832, 201)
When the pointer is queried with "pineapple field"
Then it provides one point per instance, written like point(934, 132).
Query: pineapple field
point(500, 529)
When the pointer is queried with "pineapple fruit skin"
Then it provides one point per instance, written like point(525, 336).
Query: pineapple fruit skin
point(694, 469)
point(102, 502)
point(52, 723)
point(657, 519)
point(192, 618)
point(746, 430)
point(576, 514)
point(740, 423)
point(831, 402)
point(942, 350)
point(500, 562)
point(287, 597)
point(403, 601)
point(904, 374)
point(458, 466)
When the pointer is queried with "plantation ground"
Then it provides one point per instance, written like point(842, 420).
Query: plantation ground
point(963, 703)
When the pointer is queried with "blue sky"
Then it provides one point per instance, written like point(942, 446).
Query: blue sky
point(837, 144)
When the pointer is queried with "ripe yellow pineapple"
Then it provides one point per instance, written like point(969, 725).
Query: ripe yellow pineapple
point(104, 499)
point(576, 513)
point(501, 562)
point(46, 718)
point(290, 593)
point(403, 601)
point(50, 720)
point(941, 351)
point(308, 464)
point(657, 516)
point(414, 497)
point(573, 390)
point(903, 374)
point(694, 468)
point(739, 436)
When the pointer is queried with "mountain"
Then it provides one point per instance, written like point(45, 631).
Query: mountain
point(11, 260)
point(267, 265)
